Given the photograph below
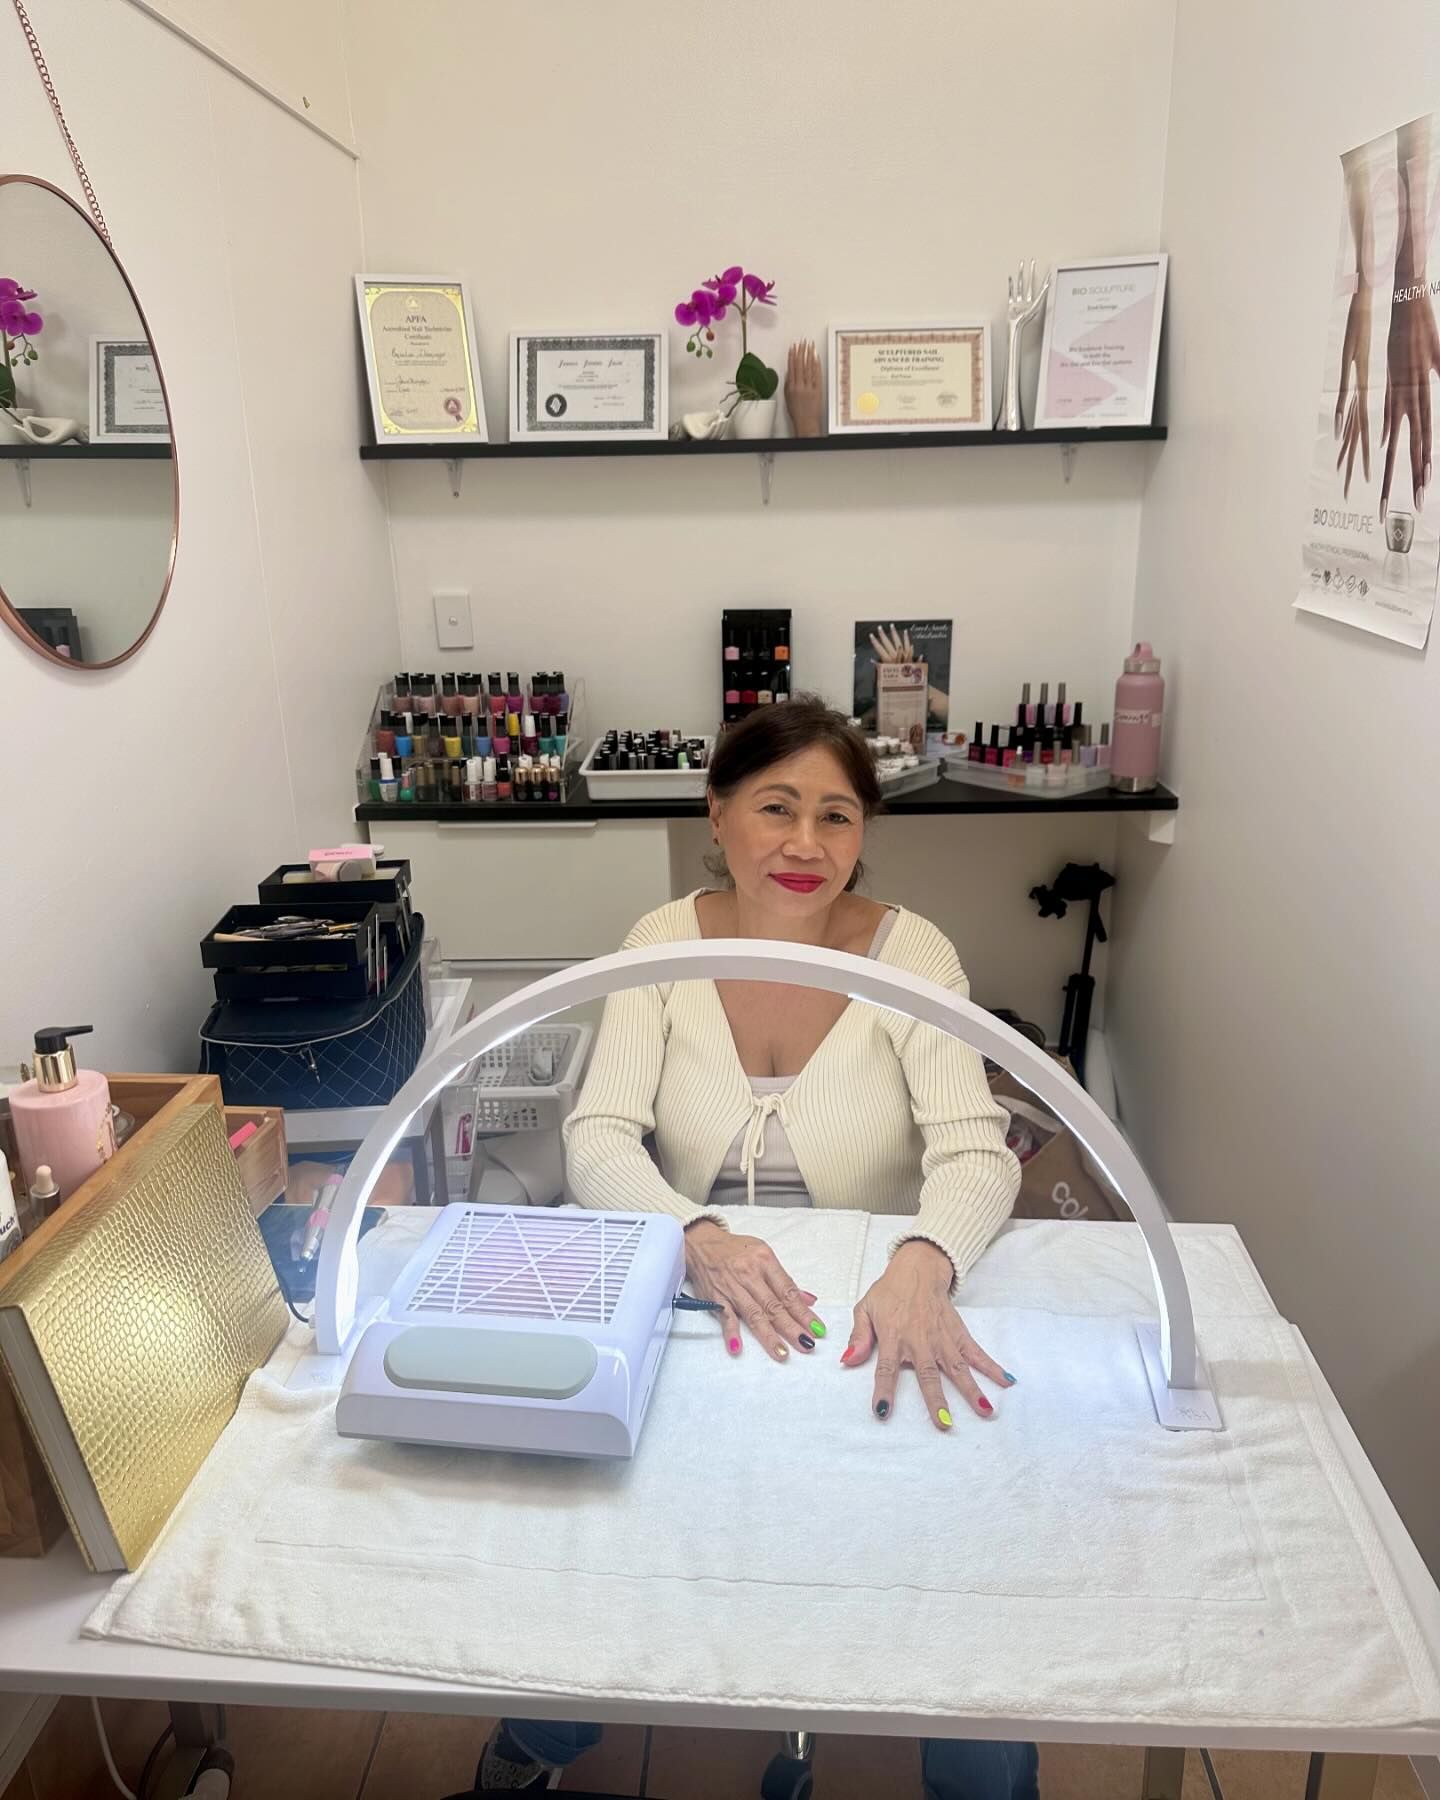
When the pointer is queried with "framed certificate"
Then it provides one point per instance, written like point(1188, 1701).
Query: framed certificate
point(588, 386)
point(127, 401)
point(1102, 342)
point(421, 360)
point(910, 378)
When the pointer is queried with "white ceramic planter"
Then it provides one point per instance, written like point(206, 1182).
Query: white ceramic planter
point(754, 418)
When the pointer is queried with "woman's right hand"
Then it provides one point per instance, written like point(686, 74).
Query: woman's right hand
point(747, 1278)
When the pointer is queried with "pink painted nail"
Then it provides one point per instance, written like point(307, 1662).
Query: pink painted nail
point(984, 1405)
point(734, 1346)
point(847, 1353)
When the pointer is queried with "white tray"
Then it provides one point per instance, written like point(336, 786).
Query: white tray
point(643, 784)
point(908, 780)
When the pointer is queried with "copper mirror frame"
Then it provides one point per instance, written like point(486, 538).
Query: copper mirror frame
point(8, 612)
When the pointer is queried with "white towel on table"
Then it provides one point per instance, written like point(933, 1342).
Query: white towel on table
point(771, 1543)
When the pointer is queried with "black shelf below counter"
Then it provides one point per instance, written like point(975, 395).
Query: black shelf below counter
point(946, 796)
point(837, 441)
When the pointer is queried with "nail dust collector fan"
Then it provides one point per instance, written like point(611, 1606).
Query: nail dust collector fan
point(520, 1328)
point(551, 1376)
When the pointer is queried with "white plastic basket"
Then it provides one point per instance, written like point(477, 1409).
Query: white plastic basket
point(496, 1094)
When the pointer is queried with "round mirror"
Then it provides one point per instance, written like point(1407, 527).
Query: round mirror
point(89, 493)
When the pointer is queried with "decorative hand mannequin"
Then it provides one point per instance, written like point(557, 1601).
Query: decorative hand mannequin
point(804, 396)
point(1020, 308)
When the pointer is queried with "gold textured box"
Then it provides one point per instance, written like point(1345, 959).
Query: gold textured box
point(146, 1302)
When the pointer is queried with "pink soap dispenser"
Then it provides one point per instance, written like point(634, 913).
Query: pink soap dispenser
point(1139, 710)
point(63, 1116)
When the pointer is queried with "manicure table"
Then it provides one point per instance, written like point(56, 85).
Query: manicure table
point(1118, 1557)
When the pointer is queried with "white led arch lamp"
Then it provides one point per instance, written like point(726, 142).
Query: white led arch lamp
point(1178, 1381)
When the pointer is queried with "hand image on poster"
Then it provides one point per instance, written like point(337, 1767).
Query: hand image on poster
point(898, 645)
point(1371, 556)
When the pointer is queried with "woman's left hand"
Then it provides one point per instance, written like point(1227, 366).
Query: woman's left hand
point(907, 1317)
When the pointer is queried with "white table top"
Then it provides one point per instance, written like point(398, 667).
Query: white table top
point(44, 1603)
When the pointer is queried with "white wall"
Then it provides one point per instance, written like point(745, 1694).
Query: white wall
point(1275, 1006)
point(144, 800)
point(613, 158)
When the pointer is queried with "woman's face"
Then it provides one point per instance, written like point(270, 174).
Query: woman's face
point(792, 834)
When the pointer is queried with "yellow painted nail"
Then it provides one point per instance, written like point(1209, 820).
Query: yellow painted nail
point(944, 1417)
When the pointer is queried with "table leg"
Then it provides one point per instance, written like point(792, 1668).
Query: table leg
point(1341, 1777)
point(1164, 1775)
point(196, 1729)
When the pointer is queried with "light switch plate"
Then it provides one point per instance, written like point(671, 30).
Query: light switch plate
point(453, 630)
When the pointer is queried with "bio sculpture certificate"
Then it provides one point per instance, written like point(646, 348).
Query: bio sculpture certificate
point(924, 378)
point(1102, 343)
point(588, 386)
point(420, 359)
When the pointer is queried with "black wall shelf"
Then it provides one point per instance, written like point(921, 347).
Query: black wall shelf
point(691, 447)
point(86, 452)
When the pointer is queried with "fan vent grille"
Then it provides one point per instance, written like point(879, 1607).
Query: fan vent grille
point(530, 1265)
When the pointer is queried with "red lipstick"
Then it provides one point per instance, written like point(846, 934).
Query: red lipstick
point(800, 884)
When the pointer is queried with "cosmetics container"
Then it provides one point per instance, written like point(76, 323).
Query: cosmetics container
point(400, 698)
point(62, 1118)
point(501, 742)
point(975, 751)
point(1102, 750)
point(389, 786)
point(1046, 750)
point(1023, 710)
point(450, 738)
point(422, 694)
point(1043, 706)
point(1139, 711)
point(374, 777)
point(1034, 775)
point(407, 787)
point(488, 789)
point(385, 733)
point(449, 696)
point(404, 743)
point(455, 780)
point(470, 695)
point(474, 779)
point(731, 641)
point(426, 791)
point(514, 694)
point(1062, 707)
point(504, 787)
point(552, 781)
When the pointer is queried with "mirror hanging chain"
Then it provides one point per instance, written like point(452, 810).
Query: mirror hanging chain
point(38, 56)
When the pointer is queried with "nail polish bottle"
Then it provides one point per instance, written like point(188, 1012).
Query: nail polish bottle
point(1077, 718)
point(403, 741)
point(470, 694)
point(385, 734)
point(425, 789)
point(975, 749)
point(456, 781)
point(483, 745)
point(1024, 707)
point(449, 696)
point(450, 737)
point(1102, 751)
point(488, 789)
point(1043, 706)
point(764, 688)
point(389, 786)
point(992, 749)
point(731, 642)
point(400, 695)
point(552, 781)
point(501, 741)
point(1047, 748)
point(514, 698)
point(1062, 708)
point(780, 650)
point(422, 692)
point(504, 787)
point(434, 747)
point(374, 786)
point(561, 735)
point(407, 790)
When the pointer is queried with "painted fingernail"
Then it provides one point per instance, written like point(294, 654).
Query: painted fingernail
point(809, 1299)
point(1012, 1379)
point(984, 1405)
point(806, 1343)
point(882, 1409)
point(944, 1417)
point(816, 1328)
point(733, 1346)
point(781, 1352)
point(847, 1353)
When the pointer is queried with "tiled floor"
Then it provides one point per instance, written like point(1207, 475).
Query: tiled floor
point(405, 1756)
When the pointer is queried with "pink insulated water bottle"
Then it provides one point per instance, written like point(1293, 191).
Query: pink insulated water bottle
point(1139, 709)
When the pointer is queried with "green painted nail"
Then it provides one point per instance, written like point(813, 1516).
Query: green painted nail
point(944, 1417)
point(817, 1329)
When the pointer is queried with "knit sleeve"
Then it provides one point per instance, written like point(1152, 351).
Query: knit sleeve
point(969, 1177)
point(606, 1162)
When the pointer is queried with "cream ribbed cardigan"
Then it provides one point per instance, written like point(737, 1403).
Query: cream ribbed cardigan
point(888, 1116)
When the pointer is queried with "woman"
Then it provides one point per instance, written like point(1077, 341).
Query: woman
point(788, 1096)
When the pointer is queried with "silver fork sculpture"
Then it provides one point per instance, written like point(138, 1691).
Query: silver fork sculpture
point(1021, 306)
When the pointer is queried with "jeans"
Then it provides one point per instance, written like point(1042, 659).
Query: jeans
point(954, 1768)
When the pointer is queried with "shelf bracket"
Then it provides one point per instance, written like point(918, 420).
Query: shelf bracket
point(767, 475)
point(454, 465)
point(22, 473)
point(1067, 461)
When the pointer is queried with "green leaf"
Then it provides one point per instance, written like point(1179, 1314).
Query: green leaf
point(7, 386)
point(753, 379)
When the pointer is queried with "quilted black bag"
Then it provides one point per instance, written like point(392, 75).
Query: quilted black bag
point(306, 1054)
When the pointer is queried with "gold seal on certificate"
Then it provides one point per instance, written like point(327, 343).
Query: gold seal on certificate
point(588, 386)
point(420, 359)
point(910, 378)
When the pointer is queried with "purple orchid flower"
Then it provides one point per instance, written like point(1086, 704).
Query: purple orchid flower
point(12, 290)
point(759, 290)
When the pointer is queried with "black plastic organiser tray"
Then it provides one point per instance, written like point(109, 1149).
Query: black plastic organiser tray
point(389, 886)
point(336, 968)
